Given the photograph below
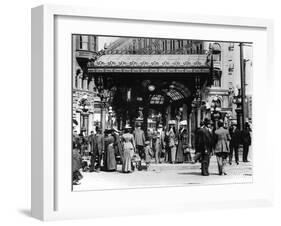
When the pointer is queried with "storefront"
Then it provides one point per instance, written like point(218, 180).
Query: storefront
point(151, 89)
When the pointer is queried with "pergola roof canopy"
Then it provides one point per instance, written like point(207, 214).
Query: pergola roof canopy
point(153, 60)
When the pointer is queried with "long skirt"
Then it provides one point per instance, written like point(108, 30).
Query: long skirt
point(147, 155)
point(110, 158)
point(127, 160)
point(179, 154)
point(173, 153)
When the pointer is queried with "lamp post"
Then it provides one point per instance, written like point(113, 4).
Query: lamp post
point(215, 111)
point(110, 115)
point(239, 109)
point(84, 106)
point(104, 97)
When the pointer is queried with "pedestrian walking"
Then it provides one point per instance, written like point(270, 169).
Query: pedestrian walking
point(148, 153)
point(204, 146)
point(158, 145)
point(246, 141)
point(172, 141)
point(167, 156)
point(222, 138)
point(109, 151)
point(234, 143)
point(76, 165)
point(182, 154)
point(96, 145)
point(128, 142)
point(163, 144)
point(139, 142)
point(76, 139)
point(117, 144)
point(92, 150)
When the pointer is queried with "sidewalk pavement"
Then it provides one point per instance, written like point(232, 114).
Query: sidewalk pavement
point(165, 174)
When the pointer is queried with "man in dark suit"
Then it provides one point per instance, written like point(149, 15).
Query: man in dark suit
point(139, 140)
point(204, 146)
point(92, 150)
point(246, 141)
point(96, 144)
point(235, 141)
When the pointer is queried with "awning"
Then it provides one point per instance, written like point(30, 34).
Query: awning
point(181, 63)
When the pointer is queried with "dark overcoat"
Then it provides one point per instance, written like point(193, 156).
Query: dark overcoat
point(76, 160)
point(204, 141)
point(246, 137)
point(235, 136)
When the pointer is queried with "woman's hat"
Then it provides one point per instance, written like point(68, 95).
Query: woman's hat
point(172, 122)
point(127, 126)
point(183, 123)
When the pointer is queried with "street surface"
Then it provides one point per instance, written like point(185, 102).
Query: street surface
point(165, 174)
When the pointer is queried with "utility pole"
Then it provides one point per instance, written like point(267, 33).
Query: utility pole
point(242, 74)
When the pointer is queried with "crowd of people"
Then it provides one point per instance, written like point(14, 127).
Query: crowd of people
point(135, 149)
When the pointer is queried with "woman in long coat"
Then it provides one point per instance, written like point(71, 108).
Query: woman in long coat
point(158, 144)
point(172, 141)
point(109, 153)
point(128, 149)
point(182, 142)
point(222, 138)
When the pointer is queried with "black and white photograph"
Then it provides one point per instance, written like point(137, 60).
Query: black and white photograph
point(154, 112)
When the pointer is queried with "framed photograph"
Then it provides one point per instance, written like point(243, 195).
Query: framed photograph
point(140, 113)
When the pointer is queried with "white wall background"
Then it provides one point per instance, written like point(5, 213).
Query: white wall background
point(15, 111)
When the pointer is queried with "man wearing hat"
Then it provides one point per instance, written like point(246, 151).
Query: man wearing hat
point(221, 147)
point(204, 146)
point(139, 141)
point(162, 139)
point(96, 142)
point(235, 140)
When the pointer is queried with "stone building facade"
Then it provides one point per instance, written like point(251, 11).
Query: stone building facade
point(226, 87)
point(85, 98)
point(87, 106)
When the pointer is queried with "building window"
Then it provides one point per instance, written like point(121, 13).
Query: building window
point(217, 83)
point(230, 67)
point(201, 48)
point(83, 42)
point(231, 46)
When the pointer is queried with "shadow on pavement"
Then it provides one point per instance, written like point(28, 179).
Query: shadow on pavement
point(195, 173)
point(25, 212)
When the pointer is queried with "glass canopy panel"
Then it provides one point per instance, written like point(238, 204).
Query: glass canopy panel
point(157, 99)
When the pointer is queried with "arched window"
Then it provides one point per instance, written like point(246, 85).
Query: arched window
point(217, 102)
